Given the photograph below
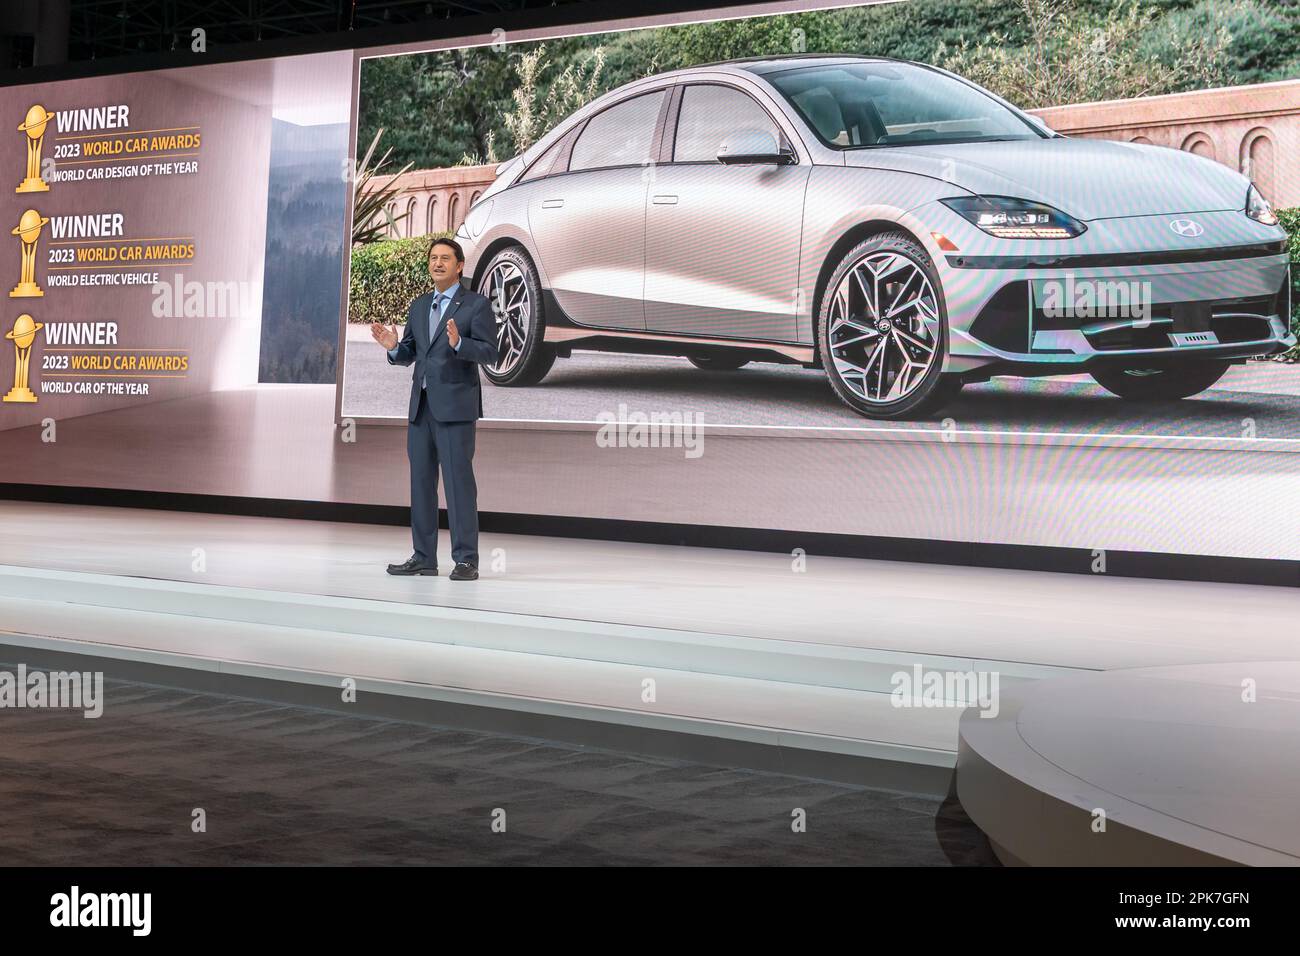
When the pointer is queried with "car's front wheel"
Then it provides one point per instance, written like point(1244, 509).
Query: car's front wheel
point(1160, 384)
point(882, 330)
point(511, 285)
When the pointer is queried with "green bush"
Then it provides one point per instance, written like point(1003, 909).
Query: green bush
point(386, 276)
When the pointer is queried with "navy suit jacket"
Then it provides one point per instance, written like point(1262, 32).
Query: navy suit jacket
point(455, 394)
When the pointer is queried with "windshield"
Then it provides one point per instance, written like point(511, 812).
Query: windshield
point(863, 105)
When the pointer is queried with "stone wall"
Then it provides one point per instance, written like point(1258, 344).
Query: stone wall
point(436, 199)
point(1253, 129)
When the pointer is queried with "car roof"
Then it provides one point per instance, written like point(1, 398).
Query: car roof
point(759, 65)
point(771, 64)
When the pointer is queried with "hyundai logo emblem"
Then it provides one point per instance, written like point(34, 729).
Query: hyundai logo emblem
point(1186, 228)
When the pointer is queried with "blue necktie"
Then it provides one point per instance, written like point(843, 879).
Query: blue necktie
point(439, 304)
point(436, 309)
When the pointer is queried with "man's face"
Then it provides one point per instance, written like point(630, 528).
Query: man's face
point(443, 266)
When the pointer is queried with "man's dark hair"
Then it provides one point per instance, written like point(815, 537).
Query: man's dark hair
point(452, 243)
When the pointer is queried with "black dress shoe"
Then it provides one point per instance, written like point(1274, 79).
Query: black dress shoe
point(413, 565)
point(464, 572)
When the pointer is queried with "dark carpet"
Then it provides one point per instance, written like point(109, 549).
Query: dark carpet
point(281, 784)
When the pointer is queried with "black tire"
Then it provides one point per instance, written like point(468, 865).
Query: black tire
point(717, 363)
point(935, 388)
point(535, 357)
point(1165, 384)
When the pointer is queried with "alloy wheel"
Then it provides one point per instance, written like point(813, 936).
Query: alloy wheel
point(513, 307)
point(884, 327)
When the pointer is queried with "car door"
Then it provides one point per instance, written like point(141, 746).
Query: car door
point(588, 219)
point(722, 241)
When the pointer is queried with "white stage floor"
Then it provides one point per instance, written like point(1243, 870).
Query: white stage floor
point(1057, 620)
point(739, 644)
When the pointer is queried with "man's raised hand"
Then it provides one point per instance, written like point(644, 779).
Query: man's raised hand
point(385, 336)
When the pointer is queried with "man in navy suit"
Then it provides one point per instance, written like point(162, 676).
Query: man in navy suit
point(449, 333)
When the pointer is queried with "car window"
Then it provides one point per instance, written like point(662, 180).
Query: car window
point(619, 136)
point(709, 114)
point(544, 164)
point(895, 104)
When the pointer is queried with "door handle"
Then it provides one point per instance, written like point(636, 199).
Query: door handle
point(552, 203)
point(664, 200)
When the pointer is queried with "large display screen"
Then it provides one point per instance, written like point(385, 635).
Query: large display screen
point(977, 272)
point(909, 242)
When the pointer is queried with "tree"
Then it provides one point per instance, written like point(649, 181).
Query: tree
point(484, 103)
point(539, 104)
point(1072, 56)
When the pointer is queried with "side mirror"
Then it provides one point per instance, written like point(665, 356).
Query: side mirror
point(753, 146)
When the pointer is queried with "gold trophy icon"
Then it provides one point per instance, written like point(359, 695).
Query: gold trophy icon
point(34, 127)
point(28, 230)
point(23, 334)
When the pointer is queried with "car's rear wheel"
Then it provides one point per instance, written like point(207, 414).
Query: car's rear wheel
point(511, 284)
point(1167, 383)
point(718, 363)
point(883, 332)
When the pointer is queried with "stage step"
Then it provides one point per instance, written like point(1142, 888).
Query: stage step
point(786, 693)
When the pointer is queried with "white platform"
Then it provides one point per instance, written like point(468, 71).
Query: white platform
point(739, 645)
point(1186, 767)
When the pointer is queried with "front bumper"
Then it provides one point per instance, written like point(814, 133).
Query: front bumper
point(1119, 293)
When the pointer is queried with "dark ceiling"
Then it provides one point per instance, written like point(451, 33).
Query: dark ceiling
point(48, 32)
point(115, 27)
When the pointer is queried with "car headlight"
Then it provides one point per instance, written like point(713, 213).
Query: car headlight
point(1009, 218)
point(1258, 208)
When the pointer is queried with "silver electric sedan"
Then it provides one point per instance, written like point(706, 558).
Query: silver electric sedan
point(888, 222)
